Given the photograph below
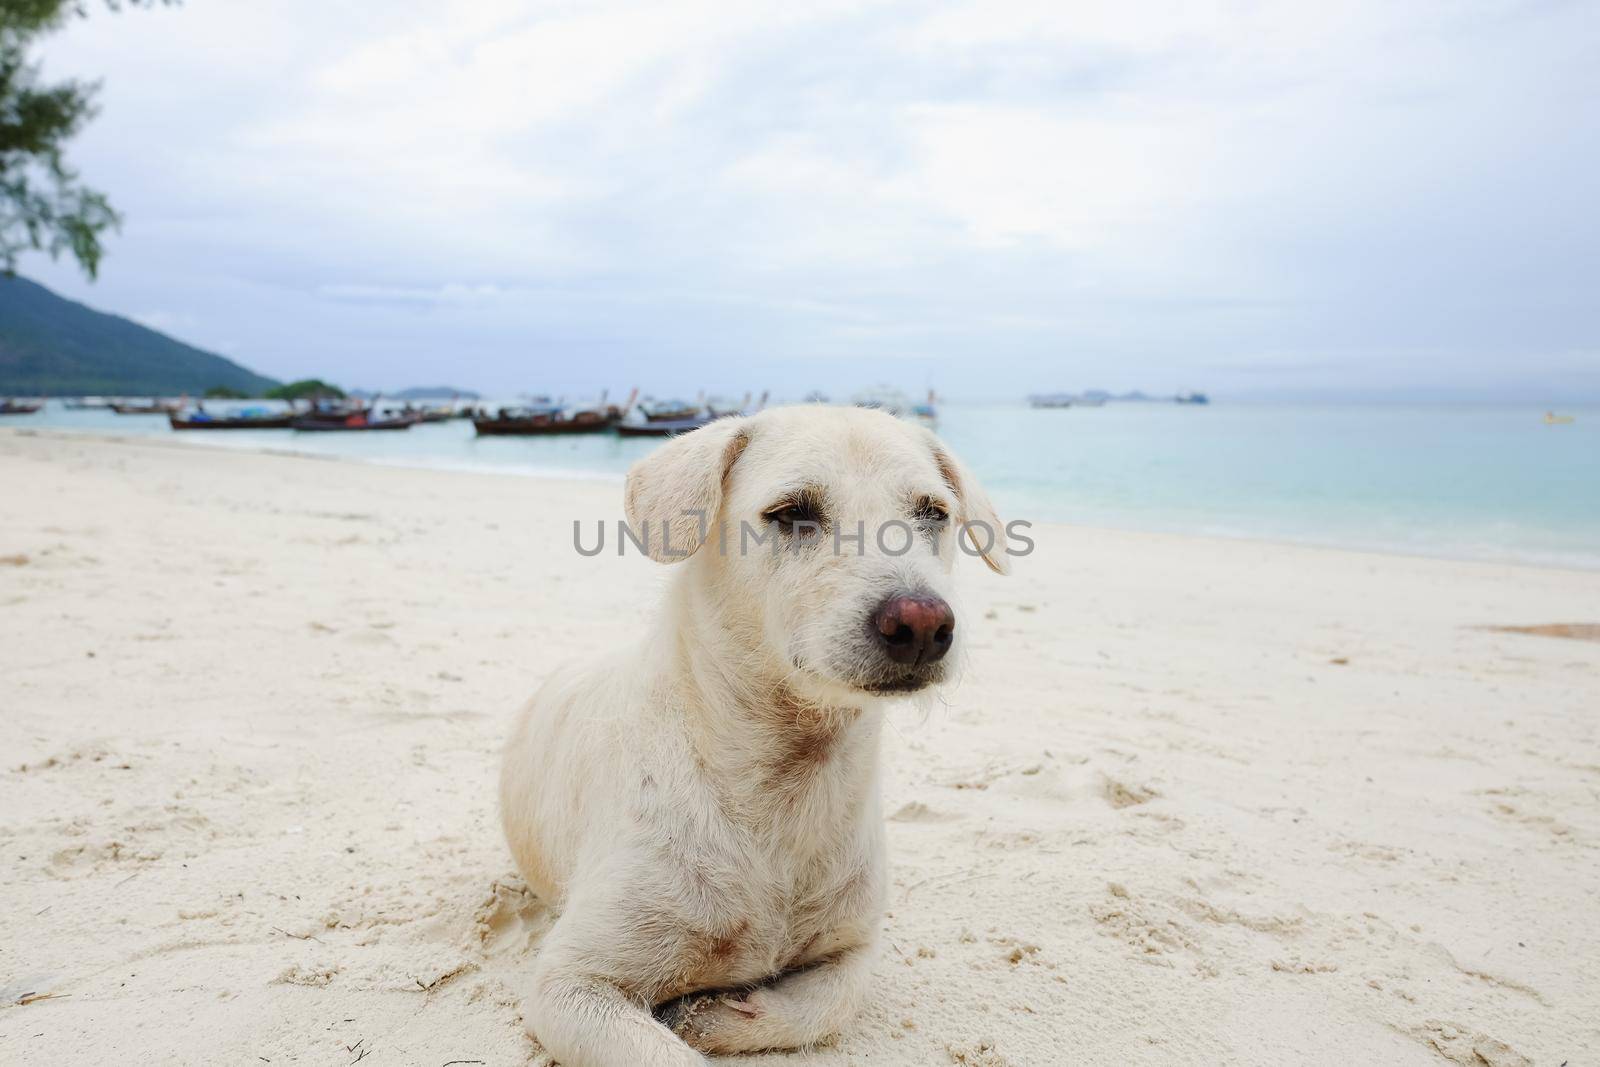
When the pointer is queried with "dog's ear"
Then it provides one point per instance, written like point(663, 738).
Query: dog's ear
point(977, 521)
point(673, 495)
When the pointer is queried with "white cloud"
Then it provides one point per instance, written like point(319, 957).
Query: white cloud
point(1146, 190)
point(454, 293)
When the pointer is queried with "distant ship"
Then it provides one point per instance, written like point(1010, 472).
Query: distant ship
point(894, 402)
point(720, 406)
point(1191, 398)
point(1094, 398)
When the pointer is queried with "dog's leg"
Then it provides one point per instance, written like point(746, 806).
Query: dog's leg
point(800, 1008)
point(586, 1020)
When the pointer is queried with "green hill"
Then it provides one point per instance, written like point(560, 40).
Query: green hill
point(50, 346)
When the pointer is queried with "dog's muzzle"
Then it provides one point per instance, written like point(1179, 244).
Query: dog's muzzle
point(911, 633)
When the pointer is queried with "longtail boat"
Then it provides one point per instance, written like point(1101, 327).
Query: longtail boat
point(1050, 400)
point(661, 427)
point(543, 418)
point(533, 423)
point(20, 407)
point(434, 412)
point(670, 410)
point(149, 407)
point(259, 419)
point(719, 406)
point(337, 421)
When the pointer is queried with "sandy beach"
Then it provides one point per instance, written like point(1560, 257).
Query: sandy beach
point(1195, 800)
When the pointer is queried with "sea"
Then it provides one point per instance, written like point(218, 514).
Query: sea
point(1464, 482)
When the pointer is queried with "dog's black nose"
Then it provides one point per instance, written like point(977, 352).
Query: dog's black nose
point(915, 629)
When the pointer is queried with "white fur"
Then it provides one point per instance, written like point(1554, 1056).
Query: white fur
point(701, 807)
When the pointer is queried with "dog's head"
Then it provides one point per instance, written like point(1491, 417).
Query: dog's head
point(823, 540)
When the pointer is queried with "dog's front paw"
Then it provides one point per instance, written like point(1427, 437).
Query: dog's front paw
point(716, 1022)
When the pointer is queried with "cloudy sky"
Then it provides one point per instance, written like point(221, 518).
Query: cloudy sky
point(991, 197)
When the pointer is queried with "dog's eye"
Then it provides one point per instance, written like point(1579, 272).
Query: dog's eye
point(931, 511)
point(792, 513)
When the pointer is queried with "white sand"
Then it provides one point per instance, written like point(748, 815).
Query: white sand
point(253, 703)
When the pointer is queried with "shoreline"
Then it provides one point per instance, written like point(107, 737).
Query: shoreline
point(560, 476)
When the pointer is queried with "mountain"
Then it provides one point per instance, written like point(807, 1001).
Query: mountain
point(51, 346)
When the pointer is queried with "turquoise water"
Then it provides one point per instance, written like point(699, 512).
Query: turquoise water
point(1477, 483)
point(1462, 482)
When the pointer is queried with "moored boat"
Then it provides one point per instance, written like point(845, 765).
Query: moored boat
point(352, 419)
point(1094, 398)
point(434, 412)
point(661, 427)
point(670, 410)
point(248, 419)
point(19, 407)
point(1050, 400)
point(883, 398)
point(148, 407)
point(545, 418)
point(719, 407)
point(534, 422)
point(894, 402)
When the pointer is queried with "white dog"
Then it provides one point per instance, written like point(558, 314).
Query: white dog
point(701, 808)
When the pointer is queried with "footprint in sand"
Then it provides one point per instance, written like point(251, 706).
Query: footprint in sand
point(1152, 930)
point(315, 975)
point(512, 919)
point(1533, 820)
point(1459, 1044)
point(917, 811)
point(1120, 794)
point(79, 860)
point(976, 1054)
